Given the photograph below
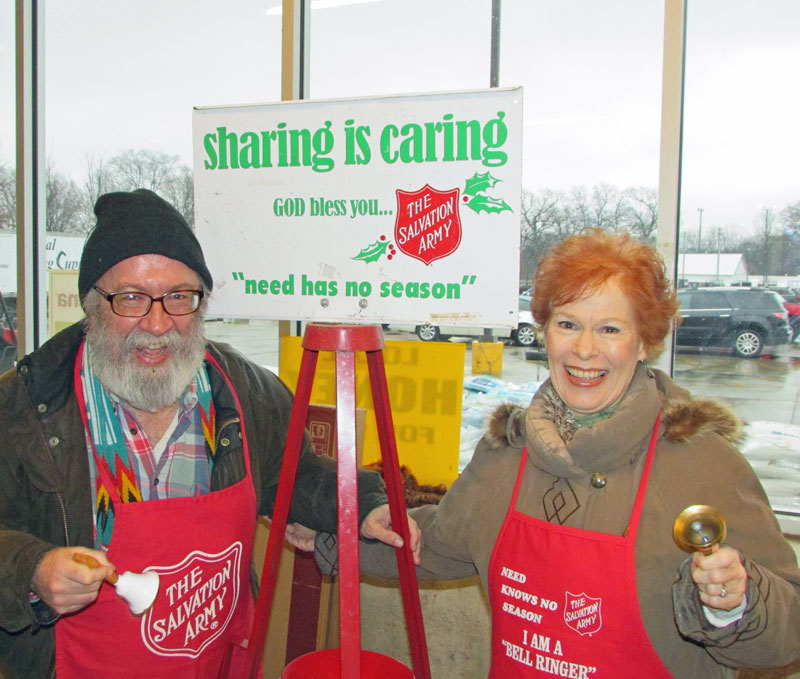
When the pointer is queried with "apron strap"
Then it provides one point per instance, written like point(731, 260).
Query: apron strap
point(633, 526)
point(245, 448)
point(520, 473)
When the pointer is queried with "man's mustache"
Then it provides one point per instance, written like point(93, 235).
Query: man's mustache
point(141, 339)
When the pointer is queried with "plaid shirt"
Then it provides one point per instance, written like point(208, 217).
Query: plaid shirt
point(183, 469)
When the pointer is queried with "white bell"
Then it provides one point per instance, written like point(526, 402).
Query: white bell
point(138, 589)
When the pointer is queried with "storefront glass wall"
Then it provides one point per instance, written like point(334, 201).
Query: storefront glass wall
point(121, 81)
point(738, 228)
point(8, 149)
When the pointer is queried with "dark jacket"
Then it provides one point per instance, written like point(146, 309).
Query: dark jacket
point(45, 500)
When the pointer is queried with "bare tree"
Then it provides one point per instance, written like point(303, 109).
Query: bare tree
point(642, 214)
point(98, 180)
point(577, 212)
point(791, 217)
point(64, 203)
point(603, 207)
point(551, 216)
point(140, 169)
point(728, 240)
point(609, 207)
point(758, 250)
point(178, 189)
point(8, 197)
point(538, 218)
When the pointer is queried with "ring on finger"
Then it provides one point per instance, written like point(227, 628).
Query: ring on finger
point(724, 592)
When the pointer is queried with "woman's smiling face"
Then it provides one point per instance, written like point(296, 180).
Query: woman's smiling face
point(593, 346)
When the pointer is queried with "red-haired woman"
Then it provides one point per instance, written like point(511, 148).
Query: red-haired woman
point(566, 509)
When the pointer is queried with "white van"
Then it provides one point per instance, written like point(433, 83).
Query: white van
point(525, 334)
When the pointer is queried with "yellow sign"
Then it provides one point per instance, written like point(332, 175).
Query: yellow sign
point(64, 302)
point(425, 383)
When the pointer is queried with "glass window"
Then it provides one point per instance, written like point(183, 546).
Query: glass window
point(383, 48)
point(122, 79)
point(121, 82)
point(8, 217)
point(739, 201)
point(121, 86)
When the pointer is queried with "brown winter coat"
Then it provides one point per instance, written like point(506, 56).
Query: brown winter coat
point(695, 463)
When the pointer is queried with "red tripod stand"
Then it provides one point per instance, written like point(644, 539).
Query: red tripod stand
point(344, 340)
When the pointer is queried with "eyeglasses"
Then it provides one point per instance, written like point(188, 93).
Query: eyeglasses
point(135, 304)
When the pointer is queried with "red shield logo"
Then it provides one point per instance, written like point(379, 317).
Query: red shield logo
point(195, 602)
point(428, 224)
point(583, 613)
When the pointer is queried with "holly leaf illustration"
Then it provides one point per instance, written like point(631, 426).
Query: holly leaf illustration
point(373, 251)
point(488, 204)
point(479, 182)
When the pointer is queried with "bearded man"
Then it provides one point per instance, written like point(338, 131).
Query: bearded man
point(130, 440)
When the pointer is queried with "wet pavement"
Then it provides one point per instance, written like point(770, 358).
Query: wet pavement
point(765, 388)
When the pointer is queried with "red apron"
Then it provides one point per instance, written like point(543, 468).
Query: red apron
point(201, 548)
point(564, 600)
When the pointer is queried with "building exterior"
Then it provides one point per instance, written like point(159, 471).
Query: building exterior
point(711, 269)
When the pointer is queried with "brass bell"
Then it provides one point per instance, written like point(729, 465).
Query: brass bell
point(698, 528)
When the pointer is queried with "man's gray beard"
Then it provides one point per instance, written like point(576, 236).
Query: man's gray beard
point(144, 387)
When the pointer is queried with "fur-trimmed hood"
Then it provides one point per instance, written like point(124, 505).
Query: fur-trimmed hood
point(682, 419)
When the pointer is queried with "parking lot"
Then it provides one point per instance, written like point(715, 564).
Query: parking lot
point(764, 388)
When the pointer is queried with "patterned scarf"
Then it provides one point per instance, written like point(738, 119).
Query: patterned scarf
point(111, 449)
point(567, 421)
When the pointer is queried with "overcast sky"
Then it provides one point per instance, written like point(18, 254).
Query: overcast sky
point(126, 74)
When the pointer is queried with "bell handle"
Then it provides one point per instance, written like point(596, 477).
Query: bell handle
point(88, 560)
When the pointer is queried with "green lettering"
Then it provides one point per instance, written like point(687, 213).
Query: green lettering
point(208, 143)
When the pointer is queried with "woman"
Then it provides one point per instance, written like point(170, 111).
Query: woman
point(566, 510)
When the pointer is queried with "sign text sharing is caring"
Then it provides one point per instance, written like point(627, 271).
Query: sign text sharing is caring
point(427, 142)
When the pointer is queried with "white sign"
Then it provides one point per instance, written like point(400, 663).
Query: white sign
point(63, 253)
point(63, 301)
point(402, 209)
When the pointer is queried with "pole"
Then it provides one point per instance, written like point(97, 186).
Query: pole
point(494, 75)
point(766, 247)
point(700, 230)
point(494, 81)
point(31, 164)
point(669, 172)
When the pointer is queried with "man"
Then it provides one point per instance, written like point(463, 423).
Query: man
point(130, 439)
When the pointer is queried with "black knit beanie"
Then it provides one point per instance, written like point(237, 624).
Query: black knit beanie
point(137, 223)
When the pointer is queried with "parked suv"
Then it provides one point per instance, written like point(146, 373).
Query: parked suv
point(791, 300)
point(745, 319)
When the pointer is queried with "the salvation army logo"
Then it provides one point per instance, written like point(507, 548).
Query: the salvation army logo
point(583, 613)
point(195, 602)
point(428, 225)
